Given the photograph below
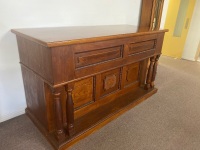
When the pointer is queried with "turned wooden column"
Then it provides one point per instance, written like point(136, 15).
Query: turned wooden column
point(70, 111)
point(60, 135)
point(154, 71)
point(143, 72)
point(150, 73)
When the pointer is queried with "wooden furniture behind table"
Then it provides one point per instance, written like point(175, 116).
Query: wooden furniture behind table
point(77, 79)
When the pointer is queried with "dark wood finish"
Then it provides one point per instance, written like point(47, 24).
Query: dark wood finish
point(150, 73)
point(35, 96)
point(82, 93)
point(97, 56)
point(146, 14)
point(38, 58)
point(60, 36)
point(60, 135)
point(103, 101)
point(65, 55)
point(50, 113)
point(143, 72)
point(70, 111)
point(151, 13)
point(109, 82)
point(154, 70)
point(131, 74)
point(159, 43)
point(75, 83)
point(141, 46)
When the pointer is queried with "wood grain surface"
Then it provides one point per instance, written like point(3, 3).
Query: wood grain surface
point(57, 36)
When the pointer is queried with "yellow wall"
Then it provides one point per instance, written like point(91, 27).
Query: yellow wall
point(173, 46)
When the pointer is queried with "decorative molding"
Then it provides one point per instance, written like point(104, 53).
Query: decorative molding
point(155, 43)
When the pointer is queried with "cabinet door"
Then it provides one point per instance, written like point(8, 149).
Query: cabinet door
point(107, 83)
point(83, 92)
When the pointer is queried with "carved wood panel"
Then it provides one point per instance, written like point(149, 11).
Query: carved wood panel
point(97, 56)
point(109, 82)
point(131, 73)
point(83, 92)
point(142, 46)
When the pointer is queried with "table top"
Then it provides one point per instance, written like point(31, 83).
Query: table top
point(59, 36)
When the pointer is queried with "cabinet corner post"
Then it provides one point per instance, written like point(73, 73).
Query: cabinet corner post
point(60, 133)
point(70, 110)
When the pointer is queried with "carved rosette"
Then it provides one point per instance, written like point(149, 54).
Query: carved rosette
point(109, 82)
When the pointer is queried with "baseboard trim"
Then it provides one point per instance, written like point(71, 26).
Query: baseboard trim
point(187, 58)
point(12, 114)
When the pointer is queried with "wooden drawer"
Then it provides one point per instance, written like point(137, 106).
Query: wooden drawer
point(93, 57)
point(141, 46)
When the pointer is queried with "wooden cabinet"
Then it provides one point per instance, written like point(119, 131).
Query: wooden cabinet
point(77, 79)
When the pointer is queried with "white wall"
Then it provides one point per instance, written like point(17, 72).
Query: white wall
point(44, 13)
point(193, 37)
point(164, 13)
